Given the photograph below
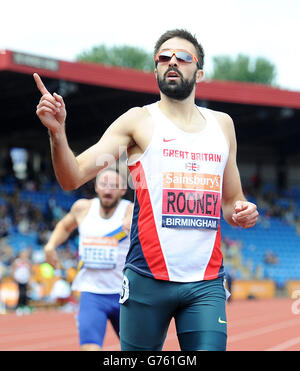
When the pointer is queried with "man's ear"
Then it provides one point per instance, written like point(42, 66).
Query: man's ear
point(199, 76)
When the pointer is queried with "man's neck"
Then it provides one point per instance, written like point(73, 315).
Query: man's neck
point(183, 111)
point(107, 212)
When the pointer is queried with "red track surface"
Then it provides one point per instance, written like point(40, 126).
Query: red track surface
point(253, 325)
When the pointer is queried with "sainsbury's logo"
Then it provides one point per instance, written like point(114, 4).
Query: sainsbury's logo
point(182, 180)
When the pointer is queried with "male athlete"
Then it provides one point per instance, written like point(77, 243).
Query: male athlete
point(182, 159)
point(103, 223)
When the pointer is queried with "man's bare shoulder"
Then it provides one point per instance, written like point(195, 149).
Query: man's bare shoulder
point(225, 121)
point(80, 206)
point(137, 124)
point(226, 124)
point(134, 115)
point(222, 117)
point(139, 112)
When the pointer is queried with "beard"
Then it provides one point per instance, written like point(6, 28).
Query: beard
point(108, 204)
point(178, 90)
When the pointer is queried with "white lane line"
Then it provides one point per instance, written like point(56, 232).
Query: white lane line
point(285, 345)
point(263, 330)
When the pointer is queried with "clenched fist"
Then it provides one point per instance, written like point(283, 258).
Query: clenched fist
point(245, 214)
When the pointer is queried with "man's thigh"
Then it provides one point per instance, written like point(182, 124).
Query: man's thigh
point(94, 310)
point(146, 314)
point(201, 322)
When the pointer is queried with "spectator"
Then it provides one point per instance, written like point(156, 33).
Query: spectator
point(21, 272)
point(270, 258)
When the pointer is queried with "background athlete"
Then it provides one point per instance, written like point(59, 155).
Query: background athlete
point(174, 267)
point(103, 224)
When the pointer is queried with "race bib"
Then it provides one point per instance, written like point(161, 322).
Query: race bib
point(191, 200)
point(99, 252)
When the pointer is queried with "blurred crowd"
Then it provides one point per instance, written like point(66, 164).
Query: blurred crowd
point(273, 202)
point(24, 275)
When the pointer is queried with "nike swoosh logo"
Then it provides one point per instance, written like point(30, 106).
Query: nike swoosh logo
point(221, 321)
point(168, 140)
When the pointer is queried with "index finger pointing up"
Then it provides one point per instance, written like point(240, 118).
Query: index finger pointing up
point(39, 84)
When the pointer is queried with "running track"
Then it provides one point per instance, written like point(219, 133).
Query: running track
point(253, 325)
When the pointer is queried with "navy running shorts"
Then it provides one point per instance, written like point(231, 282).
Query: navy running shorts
point(148, 305)
point(94, 311)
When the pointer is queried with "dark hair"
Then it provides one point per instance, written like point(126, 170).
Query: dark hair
point(115, 169)
point(183, 34)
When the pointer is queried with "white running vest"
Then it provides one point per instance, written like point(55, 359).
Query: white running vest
point(175, 232)
point(103, 247)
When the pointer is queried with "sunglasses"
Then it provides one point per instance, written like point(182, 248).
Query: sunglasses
point(181, 55)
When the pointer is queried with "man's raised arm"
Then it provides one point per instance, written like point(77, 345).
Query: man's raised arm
point(71, 171)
